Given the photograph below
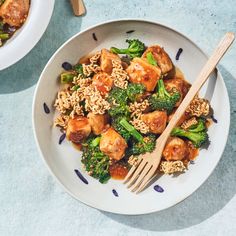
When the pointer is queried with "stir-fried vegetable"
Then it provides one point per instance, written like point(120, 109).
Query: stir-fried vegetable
point(135, 48)
point(164, 100)
point(96, 162)
point(119, 128)
point(130, 128)
point(4, 36)
point(133, 90)
point(78, 69)
point(197, 134)
point(147, 145)
point(118, 95)
point(67, 77)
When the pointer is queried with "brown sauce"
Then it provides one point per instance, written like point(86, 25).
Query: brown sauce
point(85, 59)
point(209, 122)
point(118, 171)
point(186, 86)
point(77, 146)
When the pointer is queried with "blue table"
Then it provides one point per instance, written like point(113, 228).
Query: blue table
point(31, 203)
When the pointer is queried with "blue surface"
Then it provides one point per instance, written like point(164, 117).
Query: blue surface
point(33, 204)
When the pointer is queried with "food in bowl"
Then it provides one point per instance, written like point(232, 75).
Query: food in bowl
point(114, 108)
point(13, 14)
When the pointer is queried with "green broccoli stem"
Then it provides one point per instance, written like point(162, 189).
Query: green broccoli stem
point(151, 60)
point(78, 68)
point(4, 36)
point(131, 129)
point(95, 142)
point(67, 77)
point(119, 51)
point(161, 89)
point(76, 87)
point(200, 126)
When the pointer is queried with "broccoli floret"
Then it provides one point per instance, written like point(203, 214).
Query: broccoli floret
point(119, 110)
point(121, 96)
point(130, 128)
point(200, 126)
point(148, 145)
point(162, 100)
point(68, 76)
point(133, 90)
point(139, 144)
point(197, 138)
point(78, 69)
point(135, 48)
point(118, 95)
point(95, 142)
point(95, 161)
point(119, 128)
point(118, 98)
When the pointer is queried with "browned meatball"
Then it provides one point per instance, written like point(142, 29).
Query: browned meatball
point(162, 58)
point(98, 122)
point(14, 12)
point(175, 150)
point(156, 121)
point(184, 117)
point(140, 71)
point(106, 60)
point(103, 82)
point(112, 144)
point(78, 129)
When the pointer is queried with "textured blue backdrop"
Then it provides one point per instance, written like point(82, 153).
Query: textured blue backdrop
point(31, 203)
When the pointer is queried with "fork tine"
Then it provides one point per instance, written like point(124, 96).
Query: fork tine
point(132, 170)
point(136, 173)
point(145, 171)
point(146, 180)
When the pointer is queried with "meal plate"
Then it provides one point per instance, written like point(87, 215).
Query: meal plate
point(28, 35)
point(62, 159)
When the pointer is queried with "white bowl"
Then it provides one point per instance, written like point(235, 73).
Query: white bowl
point(28, 35)
point(63, 159)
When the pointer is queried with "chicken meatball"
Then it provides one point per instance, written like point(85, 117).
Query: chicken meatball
point(78, 129)
point(162, 59)
point(106, 60)
point(140, 71)
point(184, 117)
point(14, 12)
point(175, 150)
point(156, 121)
point(112, 144)
point(98, 122)
point(103, 82)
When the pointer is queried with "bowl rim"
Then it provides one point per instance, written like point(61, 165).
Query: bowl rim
point(101, 24)
point(28, 33)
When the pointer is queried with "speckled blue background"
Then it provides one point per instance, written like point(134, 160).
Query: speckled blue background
point(31, 203)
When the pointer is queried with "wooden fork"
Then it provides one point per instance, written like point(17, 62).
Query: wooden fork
point(140, 174)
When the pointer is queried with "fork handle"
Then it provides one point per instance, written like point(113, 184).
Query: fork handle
point(219, 52)
point(78, 7)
